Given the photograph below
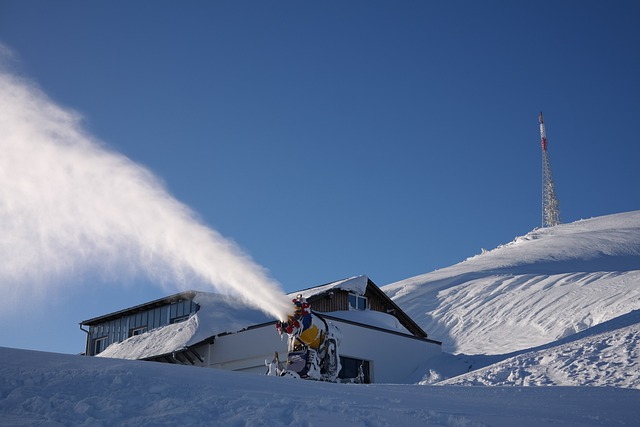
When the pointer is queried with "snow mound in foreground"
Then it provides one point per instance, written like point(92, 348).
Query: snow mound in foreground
point(39, 388)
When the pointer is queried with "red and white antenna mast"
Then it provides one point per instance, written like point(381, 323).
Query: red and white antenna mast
point(550, 204)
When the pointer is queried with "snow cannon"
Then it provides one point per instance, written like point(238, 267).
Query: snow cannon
point(313, 344)
point(306, 328)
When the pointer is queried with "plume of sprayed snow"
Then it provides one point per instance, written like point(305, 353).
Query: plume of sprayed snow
point(69, 206)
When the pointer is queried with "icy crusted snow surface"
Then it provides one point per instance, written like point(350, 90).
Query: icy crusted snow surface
point(541, 287)
point(53, 389)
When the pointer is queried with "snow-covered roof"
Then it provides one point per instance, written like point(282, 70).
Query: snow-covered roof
point(218, 314)
point(224, 314)
point(356, 284)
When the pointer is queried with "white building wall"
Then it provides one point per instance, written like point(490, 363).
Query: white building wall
point(247, 350)
point(393, 357)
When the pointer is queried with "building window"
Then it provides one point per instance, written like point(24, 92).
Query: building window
point(179, 319)
point(355, 370)
point(99, 345)
point(181, 310)
point(137, 331)
point(357, 302)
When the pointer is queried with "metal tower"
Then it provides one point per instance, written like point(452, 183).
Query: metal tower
point(550, 204)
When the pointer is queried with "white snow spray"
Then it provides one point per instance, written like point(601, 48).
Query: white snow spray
point(69, 207)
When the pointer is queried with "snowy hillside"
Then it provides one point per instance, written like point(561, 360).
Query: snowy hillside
point(604, 355)
point(54, 389)
point(544, 286)
point(555, 307)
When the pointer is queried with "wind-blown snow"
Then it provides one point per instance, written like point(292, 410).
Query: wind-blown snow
point(70, 207)
point(54, 389)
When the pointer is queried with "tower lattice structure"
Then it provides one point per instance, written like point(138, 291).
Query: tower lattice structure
point(550, 203)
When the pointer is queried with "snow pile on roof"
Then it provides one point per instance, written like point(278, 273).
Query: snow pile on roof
point(541, 287)
point(163, 340)
point(217, 314)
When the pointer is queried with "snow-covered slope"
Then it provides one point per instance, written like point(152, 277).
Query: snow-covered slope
point(514, 315)
point(544, 286)
point(54, 389)
point(592, 358)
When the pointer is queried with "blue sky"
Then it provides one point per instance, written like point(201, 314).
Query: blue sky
point(330, 139)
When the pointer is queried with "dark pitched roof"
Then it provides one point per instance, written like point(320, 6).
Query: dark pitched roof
point(392, 307)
